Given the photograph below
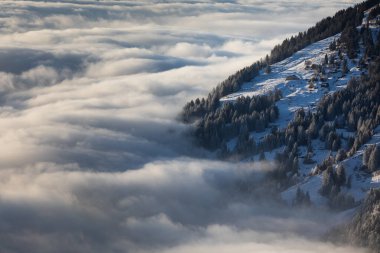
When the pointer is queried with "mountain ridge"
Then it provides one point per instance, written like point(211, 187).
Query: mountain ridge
point(320, 105)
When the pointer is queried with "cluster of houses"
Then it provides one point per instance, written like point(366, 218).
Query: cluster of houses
point(375, 21)
point(332, 64)
point(320, 77)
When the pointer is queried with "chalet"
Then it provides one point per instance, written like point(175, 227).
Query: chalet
point(308, 64)
point(325, 85)
point(323, 78)
point(375, 21)
point(315, 66)
point(314, 79)
point(292, 78)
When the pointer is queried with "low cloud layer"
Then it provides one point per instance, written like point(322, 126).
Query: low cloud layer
point(173, 206)
point(93, 158)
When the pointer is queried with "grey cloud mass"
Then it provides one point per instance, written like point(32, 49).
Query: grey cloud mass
point(180, 205)
point(92, 158)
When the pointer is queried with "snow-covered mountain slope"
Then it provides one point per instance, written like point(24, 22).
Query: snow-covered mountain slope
point(293, 75)
point(361, 182)
point(303, 84)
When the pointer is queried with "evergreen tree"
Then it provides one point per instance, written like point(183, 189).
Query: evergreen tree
point(262, 156)
point(295, 165)
point(327, 182)
point(308, 159)
point(341, 155)
point(344, 67)
point(367, 153)
point(268, 69)
point(332, 46)
point(374, 160)
point(349, 182)
point(341, 175)
point(309, 146)
point(301, 198)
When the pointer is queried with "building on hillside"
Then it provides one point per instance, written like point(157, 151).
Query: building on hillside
point(375, 21)
point(292, 78)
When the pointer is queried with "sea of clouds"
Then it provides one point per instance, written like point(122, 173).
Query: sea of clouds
point(92, 158)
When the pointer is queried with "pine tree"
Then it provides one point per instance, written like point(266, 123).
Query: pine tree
point(295, 165)
point(308, 159)
point(224, 150)
point(344, 67)
point(349, 182)
point(268, 69)
point(332, 46)
point(302, 199)
point(309, 146)
point(341, 175)
point(327, 182)
point(332, 60)
point(307, 198)
point(374, 160)
point(341, 155)
point(367, 153)
point(262, 156)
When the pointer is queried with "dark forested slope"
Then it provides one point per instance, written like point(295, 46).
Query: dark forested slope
point(364, 229)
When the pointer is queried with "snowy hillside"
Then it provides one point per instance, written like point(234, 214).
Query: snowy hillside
point(302, 85)
point(293, 77)
point(361, 182)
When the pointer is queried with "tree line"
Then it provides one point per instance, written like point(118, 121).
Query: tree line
point(245, 115)
point(327, 27)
